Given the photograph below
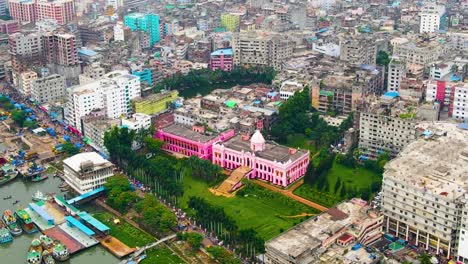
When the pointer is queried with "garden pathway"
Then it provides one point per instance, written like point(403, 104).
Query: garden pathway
point(291, 195)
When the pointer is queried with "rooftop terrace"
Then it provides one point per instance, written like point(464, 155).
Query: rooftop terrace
point(437, 162)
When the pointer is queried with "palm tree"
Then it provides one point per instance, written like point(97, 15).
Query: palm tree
point(425, 258)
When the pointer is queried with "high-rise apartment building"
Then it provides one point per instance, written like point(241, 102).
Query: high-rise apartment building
point(62, 11)
point(396, 72)
point(111, 94)
point(261, 48)
point(26, 50)
point(424, 191)
point(3, 7)
point(61, 49)
point(23, 11)
point(386, 126)
point(433, 18)
point(358, 51)
point(148, 23)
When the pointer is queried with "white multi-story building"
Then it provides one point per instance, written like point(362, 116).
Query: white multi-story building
point(330, 49)
point(119, 31)
point(460, 102)
point(111, 93)
point(24, 82)
point(438, 71)
point(289, 88)
point(49, 88)
point(424, 191)
point(137, 121)
point(432, 18)
point(86, 171)
point(388, 125)
point(396, 72)
point(419, 53)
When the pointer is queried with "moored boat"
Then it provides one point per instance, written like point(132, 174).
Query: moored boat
point(39, 196)
point(47, 243)
point(5, 236)
point(25, 221)
point(39, 177)
point(47, 257)
point(35, 252)
point(8, 173)
point(33, 257)
point(60, 251)
point(10, 221)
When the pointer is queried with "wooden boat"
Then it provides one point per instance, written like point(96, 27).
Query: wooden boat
point(47, 243)
point(5, 235)
point(60, 251)
point(8, 173)
point(47, 257)
point(39, 177)
point(35, 252)
point(10, 221)
point(25, 221)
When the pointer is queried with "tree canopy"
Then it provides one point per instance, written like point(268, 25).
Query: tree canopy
point(383, 59)
point(197, 81)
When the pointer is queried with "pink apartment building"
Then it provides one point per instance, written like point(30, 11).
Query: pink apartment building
point(269, 161)
point(188, 142)
point(221, 60)
point(63, 11)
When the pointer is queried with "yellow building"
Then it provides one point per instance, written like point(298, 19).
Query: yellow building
point(230, 22)
point(155, 103)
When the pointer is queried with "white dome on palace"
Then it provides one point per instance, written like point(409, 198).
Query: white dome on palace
point(257, 138)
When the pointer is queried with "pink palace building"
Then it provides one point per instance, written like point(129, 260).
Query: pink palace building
point(185, 141)
point(268, 161)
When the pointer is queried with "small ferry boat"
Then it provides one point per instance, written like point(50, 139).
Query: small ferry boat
point(47, 257)
point(39, 177)
point(47, 243)
point(7, 197)
point(35, 252)
point(5, 236)
point(8, 173)
point(25, 221)
point(33, 257)
point(60, 251)
point(10, 221)
point(39, 196)
point(15, 202)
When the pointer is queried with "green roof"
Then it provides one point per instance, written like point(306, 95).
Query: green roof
point(230, 104)
point(326, 93)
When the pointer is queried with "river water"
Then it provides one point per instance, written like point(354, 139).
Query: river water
point(15, 252)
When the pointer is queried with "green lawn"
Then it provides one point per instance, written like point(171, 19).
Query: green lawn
point(161, 254)
point(354, 179)
point(133, 237)
point(262, 210)
point(125, 232)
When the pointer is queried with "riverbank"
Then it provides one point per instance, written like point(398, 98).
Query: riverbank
point(16, 251)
